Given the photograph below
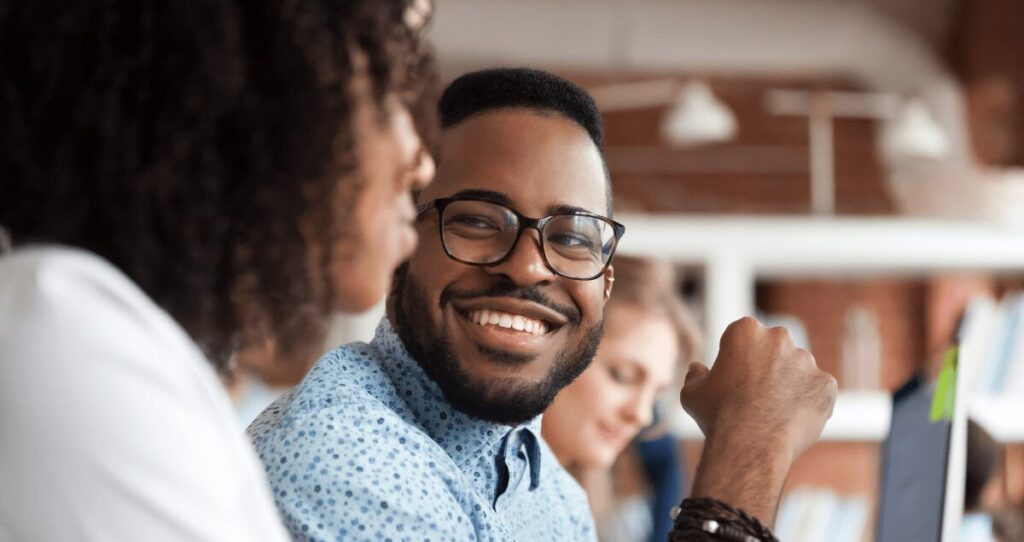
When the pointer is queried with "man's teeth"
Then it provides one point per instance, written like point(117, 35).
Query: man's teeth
point(508, 321)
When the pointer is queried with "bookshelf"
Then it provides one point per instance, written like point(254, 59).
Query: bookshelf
point(736, 251)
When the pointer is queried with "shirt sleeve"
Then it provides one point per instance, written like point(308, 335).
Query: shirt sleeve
point(112, 427)
point(335, 479)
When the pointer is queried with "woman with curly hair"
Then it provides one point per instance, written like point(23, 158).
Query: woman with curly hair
point(180, 179)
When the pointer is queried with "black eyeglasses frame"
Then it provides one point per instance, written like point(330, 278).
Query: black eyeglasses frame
point(525, 222)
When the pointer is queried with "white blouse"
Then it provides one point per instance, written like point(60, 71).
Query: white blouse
point(113, 426)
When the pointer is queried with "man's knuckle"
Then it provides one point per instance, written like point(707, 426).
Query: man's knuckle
point(828, 386)
point(833, 385)
point(739, 326)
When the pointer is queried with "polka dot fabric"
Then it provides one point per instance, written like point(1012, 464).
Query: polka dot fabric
point(366, 448)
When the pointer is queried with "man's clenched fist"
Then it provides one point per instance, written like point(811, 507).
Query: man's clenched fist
point(761, 387)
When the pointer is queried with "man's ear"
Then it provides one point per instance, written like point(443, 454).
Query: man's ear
point(609, 281)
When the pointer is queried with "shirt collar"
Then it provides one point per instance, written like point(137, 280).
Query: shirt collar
point(464, 437)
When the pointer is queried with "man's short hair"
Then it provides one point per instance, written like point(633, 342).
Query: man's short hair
point(478, 92)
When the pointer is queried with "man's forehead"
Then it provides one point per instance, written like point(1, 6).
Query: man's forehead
point(544, 163)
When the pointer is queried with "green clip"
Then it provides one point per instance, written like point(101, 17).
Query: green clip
point(945, 390)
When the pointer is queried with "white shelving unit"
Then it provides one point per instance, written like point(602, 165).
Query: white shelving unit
point(858, 416)
point(1001, 416)
point(737, 250)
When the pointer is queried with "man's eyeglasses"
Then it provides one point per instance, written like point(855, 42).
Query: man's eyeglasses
point(478, 232)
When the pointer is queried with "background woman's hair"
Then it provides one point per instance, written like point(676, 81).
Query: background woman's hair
point(184, 140)
point(653, 286)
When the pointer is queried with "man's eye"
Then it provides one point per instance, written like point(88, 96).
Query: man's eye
point(571, 240)
point(472, 221)
point(469, 226)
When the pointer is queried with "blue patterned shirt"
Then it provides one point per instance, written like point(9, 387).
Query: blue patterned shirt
point(367, 448)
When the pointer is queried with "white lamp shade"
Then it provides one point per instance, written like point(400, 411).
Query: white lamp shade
point(914, 133)
point(697, 117)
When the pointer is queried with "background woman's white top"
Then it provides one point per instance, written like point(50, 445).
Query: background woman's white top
point(113, 426)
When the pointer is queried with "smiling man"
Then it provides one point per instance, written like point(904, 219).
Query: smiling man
point(432, 430)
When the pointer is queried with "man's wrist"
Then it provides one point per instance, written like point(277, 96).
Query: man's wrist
point(745, 469)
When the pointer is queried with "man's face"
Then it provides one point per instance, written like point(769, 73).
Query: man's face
point(537, 164)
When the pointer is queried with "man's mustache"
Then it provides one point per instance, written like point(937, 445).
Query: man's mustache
point(506, 288)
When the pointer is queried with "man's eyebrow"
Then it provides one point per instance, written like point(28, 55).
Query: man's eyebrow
point(486, 195)
point(502, 199)
point(564, 209)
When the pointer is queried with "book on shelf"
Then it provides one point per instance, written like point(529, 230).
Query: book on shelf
point(1015, 375)
point(813, 514)
point(993, 333)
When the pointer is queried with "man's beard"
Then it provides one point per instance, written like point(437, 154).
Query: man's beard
point(504, 400)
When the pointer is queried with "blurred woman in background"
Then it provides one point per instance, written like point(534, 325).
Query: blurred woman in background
point(647, 332)
point(181, 180)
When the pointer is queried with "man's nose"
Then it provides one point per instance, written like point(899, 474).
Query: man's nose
point(526, 265)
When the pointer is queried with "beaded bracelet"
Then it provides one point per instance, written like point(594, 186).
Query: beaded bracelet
point(700, 520)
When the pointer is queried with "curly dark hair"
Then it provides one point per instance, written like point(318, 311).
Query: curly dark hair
point(185, 140)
